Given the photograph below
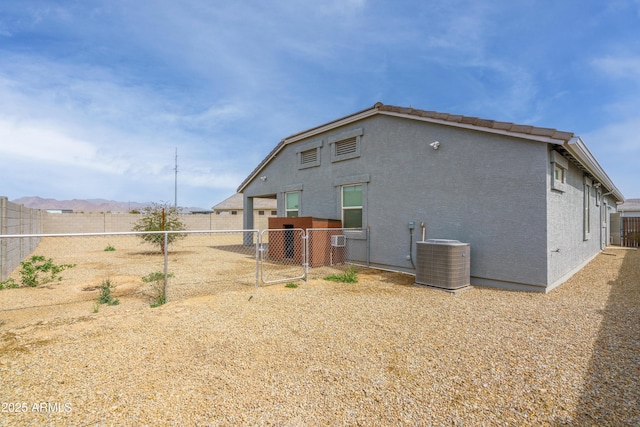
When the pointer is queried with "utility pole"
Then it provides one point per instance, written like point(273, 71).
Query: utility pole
point(175, 197)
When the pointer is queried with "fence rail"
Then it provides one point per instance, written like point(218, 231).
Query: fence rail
point(188, 263)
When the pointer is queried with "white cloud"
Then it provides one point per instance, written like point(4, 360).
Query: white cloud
point(619, 66)
point(211, 118)
point(34, 142)
point(617, 148)
point(622, 138)
point(121, 84)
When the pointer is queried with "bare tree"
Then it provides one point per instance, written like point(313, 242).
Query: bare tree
point(160, 217)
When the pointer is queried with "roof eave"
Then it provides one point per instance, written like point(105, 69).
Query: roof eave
point(307, 134)
point(332, 125)
point(578, 149)
point(573, 144)
point(485, 129)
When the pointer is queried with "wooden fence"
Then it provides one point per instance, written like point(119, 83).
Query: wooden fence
point(630, 232)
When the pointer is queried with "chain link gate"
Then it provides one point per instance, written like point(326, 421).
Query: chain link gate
point(282, 255)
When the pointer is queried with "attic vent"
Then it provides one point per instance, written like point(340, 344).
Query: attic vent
point(346, 146)
point(309, 156)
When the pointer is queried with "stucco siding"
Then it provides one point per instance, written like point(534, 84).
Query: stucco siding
point(569, 246)
point(483, 189)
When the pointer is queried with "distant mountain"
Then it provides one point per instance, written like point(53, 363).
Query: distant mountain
point(91, 205)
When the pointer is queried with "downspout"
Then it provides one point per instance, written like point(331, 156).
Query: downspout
point(411, 248)
point(368, 246)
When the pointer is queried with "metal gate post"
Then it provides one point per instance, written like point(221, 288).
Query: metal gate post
point(166, 262)
point(305, 259)
point(258, 252)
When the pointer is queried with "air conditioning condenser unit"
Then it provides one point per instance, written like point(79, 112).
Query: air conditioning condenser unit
point(443, 264)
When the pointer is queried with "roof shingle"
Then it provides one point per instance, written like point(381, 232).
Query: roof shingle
point(445, 117)
point(475, 121)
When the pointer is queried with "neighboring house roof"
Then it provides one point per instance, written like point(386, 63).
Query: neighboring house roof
point(566, 142)
point(236, 202)
point(630, 205)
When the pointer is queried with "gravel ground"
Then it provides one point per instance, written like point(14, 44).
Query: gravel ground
point(378, 352)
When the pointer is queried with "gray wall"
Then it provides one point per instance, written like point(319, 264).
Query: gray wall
point(568, 250)
point(616, 229)
point(16, 219)
point(55, 223)
point(486, 190)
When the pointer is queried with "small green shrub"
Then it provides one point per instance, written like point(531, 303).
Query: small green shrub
point(109, 248)
point(157, 278)
point(8, 284)
point(350, 275)
point(105, 296)
point(291, 285)
point(39, 270)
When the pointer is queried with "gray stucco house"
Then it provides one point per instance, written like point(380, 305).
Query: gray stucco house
point(533, 203)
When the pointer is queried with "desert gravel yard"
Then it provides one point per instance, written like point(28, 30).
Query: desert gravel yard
point(378, 352)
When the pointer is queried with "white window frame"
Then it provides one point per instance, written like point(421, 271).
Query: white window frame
point(362, 180)
point(287, 210)
point(351, 208)
point(559, 166)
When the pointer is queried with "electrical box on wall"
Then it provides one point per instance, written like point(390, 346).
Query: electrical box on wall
point(412, 225)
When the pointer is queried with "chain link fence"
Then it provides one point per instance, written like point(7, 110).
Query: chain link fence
point(282, 255)
point(333, 250)
point(293, 254)
point(179, 264)
point(194, 263)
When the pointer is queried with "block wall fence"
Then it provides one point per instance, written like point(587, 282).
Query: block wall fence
point(17, 219)
point(93, 222)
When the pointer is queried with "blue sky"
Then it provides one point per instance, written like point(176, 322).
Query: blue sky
point(95, 96)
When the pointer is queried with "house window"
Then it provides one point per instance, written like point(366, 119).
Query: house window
point(351, 193)
point(559, 174)
point(309, 155)
point(559, 167)
point(234, 212)
point(274, 212)
point(260, 212)
point(352, 206)
point(587, 208)
point(292, 202)
point(346, 145)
